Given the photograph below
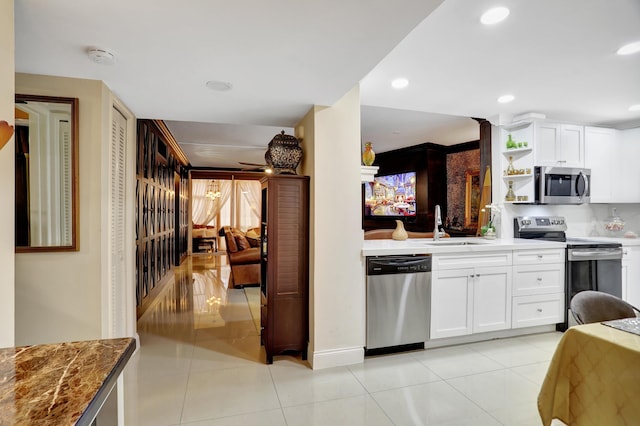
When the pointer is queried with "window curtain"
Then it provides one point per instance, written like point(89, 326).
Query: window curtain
point(204, 209)
point(250, 190)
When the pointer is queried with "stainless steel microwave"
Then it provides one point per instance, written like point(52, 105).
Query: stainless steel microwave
point(562, 185)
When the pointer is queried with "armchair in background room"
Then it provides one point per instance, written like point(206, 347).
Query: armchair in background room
point(243, 253)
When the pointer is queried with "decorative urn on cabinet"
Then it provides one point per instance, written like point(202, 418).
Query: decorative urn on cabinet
point(283, 154)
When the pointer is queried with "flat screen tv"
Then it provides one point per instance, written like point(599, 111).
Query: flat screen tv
point(391, 196)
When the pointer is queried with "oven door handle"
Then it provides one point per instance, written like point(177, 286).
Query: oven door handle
point(601, 254)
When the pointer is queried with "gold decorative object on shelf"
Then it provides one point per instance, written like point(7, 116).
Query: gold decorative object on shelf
point(510, 169)
point(511, 196)
point(368, 155)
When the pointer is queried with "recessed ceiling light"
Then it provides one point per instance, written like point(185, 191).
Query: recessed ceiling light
point(505, 99)
point(219, 86)
point(630, 48)
point(495, 15)
point(635, 107)
point(101, 56)
point(400, 83)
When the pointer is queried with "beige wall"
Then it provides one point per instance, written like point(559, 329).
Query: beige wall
point(58, 295)
point(331, 139)
point(7, 175)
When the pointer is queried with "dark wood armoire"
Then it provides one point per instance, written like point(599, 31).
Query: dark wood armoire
point(284, 265)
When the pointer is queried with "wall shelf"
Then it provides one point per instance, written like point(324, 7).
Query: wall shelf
point(517, 150)
point(511, 177)
point(367, 173)
point(522, 158)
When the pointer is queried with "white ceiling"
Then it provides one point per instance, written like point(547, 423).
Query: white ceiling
point(282, 56)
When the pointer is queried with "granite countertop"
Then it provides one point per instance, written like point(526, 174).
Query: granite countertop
point(61, 384)
point(452, 245)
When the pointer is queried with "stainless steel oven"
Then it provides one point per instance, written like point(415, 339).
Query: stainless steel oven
point(590, 265)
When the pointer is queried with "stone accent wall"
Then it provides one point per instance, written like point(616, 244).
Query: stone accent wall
point(457, 165)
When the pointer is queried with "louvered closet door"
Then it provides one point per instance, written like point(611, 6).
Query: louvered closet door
point(117, 223)
point(66, 183)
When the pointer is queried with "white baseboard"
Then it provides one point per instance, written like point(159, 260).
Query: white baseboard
point(350, 356)
point(336, 357)
point(480, 337)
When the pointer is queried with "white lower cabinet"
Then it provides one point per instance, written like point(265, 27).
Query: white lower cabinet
point(466, 300)
point(538, 287)
point(492, 291)
point(539, 309)
point(538, 279)
point(631, 275)
point(492, 299)
point(451, 303)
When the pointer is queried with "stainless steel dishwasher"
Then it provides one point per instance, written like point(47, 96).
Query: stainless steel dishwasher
point(398, 292)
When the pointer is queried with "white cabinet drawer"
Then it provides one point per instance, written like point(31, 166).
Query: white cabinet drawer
point(535, 257)
point(535, 310)
point(468, 260)
point(538, 279)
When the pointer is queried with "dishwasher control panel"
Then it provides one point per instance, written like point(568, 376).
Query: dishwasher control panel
point(383, 265)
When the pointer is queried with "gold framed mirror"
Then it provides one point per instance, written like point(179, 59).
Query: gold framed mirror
point(46, 175)
point(472, 198)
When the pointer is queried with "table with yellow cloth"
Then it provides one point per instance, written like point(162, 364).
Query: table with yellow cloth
point(593, 378)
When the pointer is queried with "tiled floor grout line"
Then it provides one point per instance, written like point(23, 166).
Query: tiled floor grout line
point(275, 388)
point(522, 376)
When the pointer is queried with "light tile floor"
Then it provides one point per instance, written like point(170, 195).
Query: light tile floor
point(201, 363)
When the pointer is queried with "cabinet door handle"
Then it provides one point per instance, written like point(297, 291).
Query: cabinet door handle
point(539, 279)
point(539, 310)
point(478, 275)
point(472, 276)
point(540, 256)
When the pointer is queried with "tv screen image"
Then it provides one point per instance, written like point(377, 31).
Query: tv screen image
point(391, 195)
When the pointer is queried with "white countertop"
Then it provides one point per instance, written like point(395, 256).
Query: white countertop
point(451, 245)
point(627, 242)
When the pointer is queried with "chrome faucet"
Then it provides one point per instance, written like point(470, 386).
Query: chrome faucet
point(437, 233)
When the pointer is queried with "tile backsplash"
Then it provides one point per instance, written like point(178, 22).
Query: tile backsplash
point(582, 221)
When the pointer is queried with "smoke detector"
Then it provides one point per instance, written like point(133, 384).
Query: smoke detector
point(219, 86)
point(101, 56)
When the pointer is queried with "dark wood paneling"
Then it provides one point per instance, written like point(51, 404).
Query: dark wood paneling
point(429, 161)
point(161, 213)
point(22, 190)
point(485, 148)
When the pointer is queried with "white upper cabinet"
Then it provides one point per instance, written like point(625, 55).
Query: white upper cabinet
point(612, 155)
point(560, 145)
point(601, 147)
point(626, 188)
